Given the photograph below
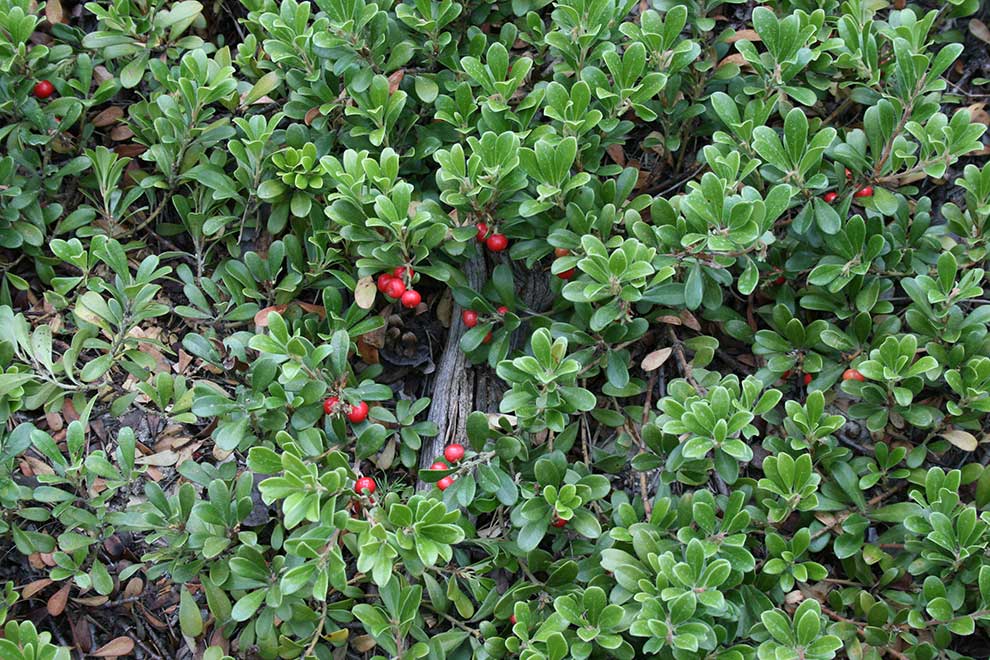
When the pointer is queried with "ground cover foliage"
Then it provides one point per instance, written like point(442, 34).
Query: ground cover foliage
point(537, 329)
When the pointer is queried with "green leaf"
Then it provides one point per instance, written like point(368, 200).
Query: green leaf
point(190, 620)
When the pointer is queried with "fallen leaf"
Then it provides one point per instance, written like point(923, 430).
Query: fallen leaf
point(121, 133)
point(978, 113)
point(962, 439)
point(54, 13)
point(395, 80)
point(616, 153)
point(56, 604)
point(690, 321)
point(979, 30)
point(31, 588)
point(749, 35)
point(115, 648)
point(319, 310)
point(261, 318)
point(656, 359)
point(311, 114)
point(109, 116)
point(161, 459)
point(365, 292)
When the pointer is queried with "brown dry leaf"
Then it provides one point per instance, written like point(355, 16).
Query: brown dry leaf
point(129, 150)
point(395, 80)
point(363, 643)
point(109, 116)
point(617, 154)
point(54, 13)
point(367, 349)
point(962, 439)
point(121, 133)
point(670, 319)
point(115, 648)
point(54, 420)
point(978, 113)
point(386, 455)
point(35, 560)
point(161, 459)
point(311, 114)
point(56, 604)
point(690, 321)
point(735, 58)
point(365, 292)
point(31, 588)
point(656, 359)
point(979, 30)
point(37, 466)
point(794, 597)
point(91, 601)
point(261, 318)
point(134, 587)
point(82, 634)
point(749, 35)
point(319, 310)
point(183, 362)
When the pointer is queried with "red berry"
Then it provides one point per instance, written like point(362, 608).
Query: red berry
point(454, 452)
point(330, 405)
point(561, 252)
point(497, 242)
point(411, 298)
point(482, 232)
point(807, 379)
point(558, 521)
point(567, 274)
point(43, 89)
point(503, 310)
point(403, 271)
point(780, 280)
point(395, 288)
point(830, 197)
point(439, 466)
point(865, 191)
point(365, 484)
point(358, 413)
point(487, 338)
point(445, 483)
point(470, 317)
point(383, 281)
point(849, 174)
point(853, 374)
point(786, 374)
point(512, 619)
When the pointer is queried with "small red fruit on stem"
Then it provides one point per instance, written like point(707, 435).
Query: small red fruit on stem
point(780, 280)
point(512, 619)
point(807, 379)
point(395, 288)
point(830, 197)
point(561, 252)
point(567, 274)
point(358, 413)
point(330, 405)
point(454, 452)
point(439, 466)
point(365, 485)
point(865, 191)
point(503, 310)
point(853, 374)
point(445, 483)
point(497, 242)
point(43, 89)
point(487, 338)
point(383, 281)
point(558, 521)
point(411, 298)
point(469, 317)
point(482, 232)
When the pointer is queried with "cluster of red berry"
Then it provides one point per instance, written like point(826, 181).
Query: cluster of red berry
point(393, 285)
point(569, 273)
point(355, 414)
point(865, 191)
point(470, 319)
point(495, 242)
point(453, 453)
